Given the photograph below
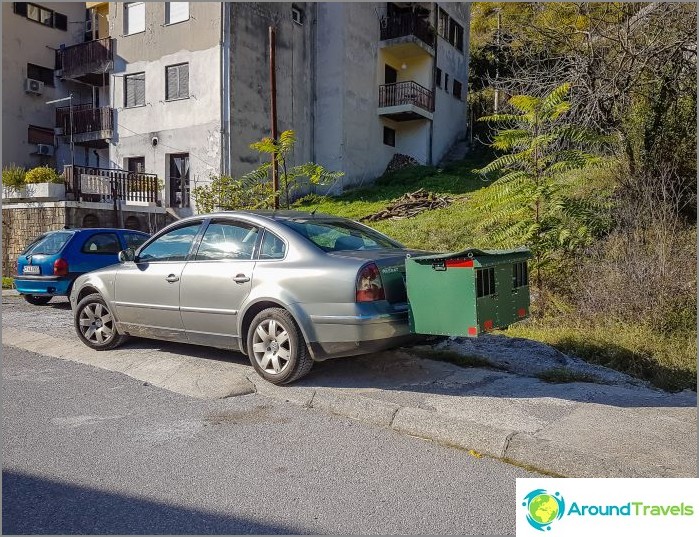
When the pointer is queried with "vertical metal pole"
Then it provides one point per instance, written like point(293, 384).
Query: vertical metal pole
point(496, 104)
point(76, 180)
point(273, 102)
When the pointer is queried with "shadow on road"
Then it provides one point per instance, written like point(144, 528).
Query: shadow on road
point(34, 505)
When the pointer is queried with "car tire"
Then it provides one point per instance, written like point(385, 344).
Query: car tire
point(37, 300)
point(95, 324)
point(276, 347)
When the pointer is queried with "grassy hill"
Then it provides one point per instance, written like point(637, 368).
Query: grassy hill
point(666, 359)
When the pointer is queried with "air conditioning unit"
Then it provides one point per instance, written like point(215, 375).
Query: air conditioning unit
point(33, 86)
point(45, 150)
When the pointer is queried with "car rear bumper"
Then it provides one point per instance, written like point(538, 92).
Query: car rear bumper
point(43, 285)
point(350, 335)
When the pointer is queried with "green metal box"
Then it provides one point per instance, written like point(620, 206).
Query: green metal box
point(467, 293)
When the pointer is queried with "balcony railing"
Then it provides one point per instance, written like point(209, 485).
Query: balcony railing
point(100, 184)
point(85, 119)
point(407, 24)
point(405, 93)
point(84, 59)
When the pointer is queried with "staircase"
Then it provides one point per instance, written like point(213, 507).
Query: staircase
point(458, 151)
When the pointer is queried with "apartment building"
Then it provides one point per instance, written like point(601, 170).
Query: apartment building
point(31, 35)
point(177, 91)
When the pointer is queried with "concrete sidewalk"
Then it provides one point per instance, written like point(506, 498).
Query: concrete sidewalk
point(575, 429)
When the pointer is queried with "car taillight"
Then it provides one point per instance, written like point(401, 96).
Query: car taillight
point(60, 267)
point(369, 284)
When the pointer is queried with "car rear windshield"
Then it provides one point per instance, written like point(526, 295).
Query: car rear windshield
point(339, 235)
point(48, 243)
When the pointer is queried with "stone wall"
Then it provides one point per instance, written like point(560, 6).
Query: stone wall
point(19, 226)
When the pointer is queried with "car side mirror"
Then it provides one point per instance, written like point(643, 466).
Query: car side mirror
point(127, 255)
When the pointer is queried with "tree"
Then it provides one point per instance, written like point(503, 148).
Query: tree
point(253, 190)
point(530, 202)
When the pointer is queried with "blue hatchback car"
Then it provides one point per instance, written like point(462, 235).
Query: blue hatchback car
point(49, 265)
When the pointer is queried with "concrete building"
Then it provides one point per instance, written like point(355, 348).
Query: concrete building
point(358, 82)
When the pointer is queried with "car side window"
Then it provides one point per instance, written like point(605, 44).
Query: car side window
point(102, 243)
point(173, 246)
point(134, 240)
point(272, 247)
point(227, 240)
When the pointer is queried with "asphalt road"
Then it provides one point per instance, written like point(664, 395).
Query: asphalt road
point(89, 451)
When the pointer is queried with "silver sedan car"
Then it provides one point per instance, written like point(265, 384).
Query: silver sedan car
point(285, 288)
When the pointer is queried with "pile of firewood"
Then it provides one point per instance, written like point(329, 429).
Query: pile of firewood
point(409, 205)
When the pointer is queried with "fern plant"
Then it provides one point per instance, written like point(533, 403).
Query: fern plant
point(530, 202)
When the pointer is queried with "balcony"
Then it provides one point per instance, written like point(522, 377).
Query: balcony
point(408, 35)
point(92, 127)
point(86, 62)
point(105, 185)
point(405, 101)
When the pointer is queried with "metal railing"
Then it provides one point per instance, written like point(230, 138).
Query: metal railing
point(85, 58)
point(85, 119)
point(400, 93)
point(100, 184)
point(407, 24)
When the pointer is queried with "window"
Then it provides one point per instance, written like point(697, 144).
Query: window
point(520, 275)
point(442, 23)
point(446, 82)
point(227, 240)
point(39, 135)
point(173, 246)
point(134, 17)
point(438, 76)
point(102, 243)
point(456, 87)
point(176, 12)
point(49, 243)
point(44, 74)
point(456, 35)
point(335, 235)
point(485, 282)
point(389, 136)
point(296, 15)
point(134, 240)
point(272, 247)
point(177, 81)
point(42, 15)
point(135, 90)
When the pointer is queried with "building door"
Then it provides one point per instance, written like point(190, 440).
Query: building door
point(390, 75)
point(136, 164)
point(179, 180)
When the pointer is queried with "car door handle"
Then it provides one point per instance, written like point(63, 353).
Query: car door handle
point(241, 278)
point(172, 278)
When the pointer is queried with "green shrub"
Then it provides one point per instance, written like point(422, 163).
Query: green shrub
point(13, 176)
point(42, 174)
point(7, 283)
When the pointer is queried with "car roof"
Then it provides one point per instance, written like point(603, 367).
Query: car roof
point(82, 229)
point(276, 215)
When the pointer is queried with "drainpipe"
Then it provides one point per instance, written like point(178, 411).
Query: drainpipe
point(225, 90)
point(314, 60)
point(434, 84)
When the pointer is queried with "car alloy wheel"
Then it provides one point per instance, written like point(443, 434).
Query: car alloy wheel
point(95, 324)
point(271, 346)
point(276, 347)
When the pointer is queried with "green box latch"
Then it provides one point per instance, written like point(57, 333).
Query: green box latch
point(467, 293)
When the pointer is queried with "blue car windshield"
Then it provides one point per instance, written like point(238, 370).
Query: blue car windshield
point(341, 235)
point(49, 243)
